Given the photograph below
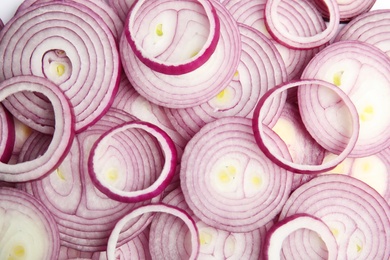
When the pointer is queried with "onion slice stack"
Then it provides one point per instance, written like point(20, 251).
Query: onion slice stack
point(362, 71)
point(62, 133)
point(308, 40)
point(7, 134)
point(228, 182)
point(267, 148)
point(78, 33)
point(355, 213)
point(120, 160)
point(155, 208)
point(195, 87)
point(28, 230)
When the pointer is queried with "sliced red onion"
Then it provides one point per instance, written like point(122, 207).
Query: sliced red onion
point(130, 101)
point(176, 38)
point(350, 140)
point(84, 38)
point(307, 39)
point(63, 132)
point(28, 231)
point(85, 216)
point(101, 8)
point(155, 208)
point(349, 9)
point(357, 215)
point(121, 164)
point(260, 68)
point(1, 24)
point(193, 88)
point(7, 134)
point(252, 14)
point(371, 27)
point(228, 182)
point(287, 226)
point(121, 7)
point(363, 72)
point(214, 243)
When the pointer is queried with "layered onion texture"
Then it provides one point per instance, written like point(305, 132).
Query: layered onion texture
point(195, 129)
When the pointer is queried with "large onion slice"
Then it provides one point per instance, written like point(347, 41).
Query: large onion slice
point(76, 32)
point(63, 131)
point(119, 160)
point(228, 182)
point(176, 38)
point(28, 230)
point(267, 148)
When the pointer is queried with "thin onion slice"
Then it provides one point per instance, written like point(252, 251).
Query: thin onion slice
point(259, 133)
point(28, 230)
point(110, 172)
point(361, 71)
point(282, 229)
point(357, 215)
point(63, 131)
point(155, 208)
point(193, 88)
point(7, 134)
point(78, 33)
point(176, 38)
point(277, 30)
point(228, 182)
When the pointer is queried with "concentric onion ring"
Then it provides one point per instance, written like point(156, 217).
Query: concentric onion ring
point(179, 34)
point(113, 168)
point(355, 213)
point(228, 182)
point(28, 230)
point(277, 30)
point(63, 131)
point(260, 135)
point(83, 37)
point(155, 208)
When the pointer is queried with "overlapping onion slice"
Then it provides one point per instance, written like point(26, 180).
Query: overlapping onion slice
point(348, 9)
point(355, 213)
point(228, 182)
point(347, 142)
point(121, 163)
point(156, 208)
point(62, 132)
point(214, 243)
point(309, 39)
point(371, 27)
point(193, 88)
point(176, 38)
point(287, 226)
point(121, 7)
point(85, 216)
point(260, 68)
point(28, 231)
point(252, 14)
point(101, 8)
point(361, 71)
point(78, 33)
point(7, 134)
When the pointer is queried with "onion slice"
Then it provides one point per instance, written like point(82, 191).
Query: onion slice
point(28, 230)
point(7, 134)
point(155, 208)
point(259, 133)
point(116, 145)
point(185, 36)
point(63, 131)
point(278, 31)
point(282, 229)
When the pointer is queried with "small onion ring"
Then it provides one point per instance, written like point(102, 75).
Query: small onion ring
point(63, 132)
point(167, 173)
point(291, 166)
point(154, 208)
point(277, 30)
point(167, 67)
